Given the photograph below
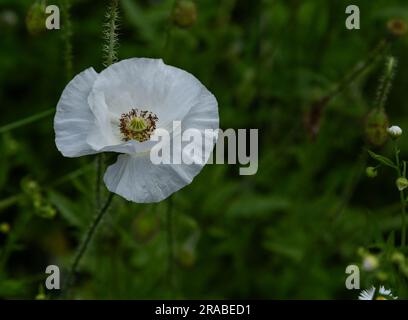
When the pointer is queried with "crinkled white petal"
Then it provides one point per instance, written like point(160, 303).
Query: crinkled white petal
point(144, 84)
point(74, 119)
point(138, 179)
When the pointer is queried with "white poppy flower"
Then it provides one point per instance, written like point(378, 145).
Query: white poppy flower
point(119, 110)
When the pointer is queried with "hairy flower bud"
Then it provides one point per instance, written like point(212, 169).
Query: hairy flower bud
point(397, 27)
point(397, 257)
point(184, 13)
point(394, 132)
point(4, 228)
point(401, 183)
point(376, 125)
point(36, 16)
point(370, 262)
point(371, 172)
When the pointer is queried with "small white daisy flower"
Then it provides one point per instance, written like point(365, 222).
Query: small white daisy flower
point(119, 110)
point(385, 294)
point(394, 131)
point(370, 294)
point(367, 294)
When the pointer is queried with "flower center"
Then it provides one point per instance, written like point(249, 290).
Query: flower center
point(137, 125)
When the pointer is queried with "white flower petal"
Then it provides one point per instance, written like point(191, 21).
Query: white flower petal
point(137, 179)
point(367, 294)
point(74, 119)
point(146, 84)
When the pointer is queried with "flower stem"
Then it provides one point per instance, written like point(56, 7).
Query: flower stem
point(403, 219)
point(66, 36)
point(170, 245)
point(28, 120)
point(99, 165)
point(110, 34)
point(86, 241)
point(402, 197)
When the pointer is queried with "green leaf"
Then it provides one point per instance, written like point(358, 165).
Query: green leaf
point(383, 160)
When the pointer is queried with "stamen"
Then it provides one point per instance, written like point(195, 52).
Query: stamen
point(137, 125)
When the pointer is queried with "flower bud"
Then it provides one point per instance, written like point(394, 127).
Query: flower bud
point(41, 294)
point(8, 18)
point(46, 211)
point(394, 132)
point(376, 125)
point(370, 262)
point(382, 276)
point(36, 16)
point(397, 257)
point(30, 187)
point(401, 183)
point(371, 172)
point(11, 146)
point(361, 252)
point(184, 13)
point(4, 228)
point(397, 27)
point(187, 256)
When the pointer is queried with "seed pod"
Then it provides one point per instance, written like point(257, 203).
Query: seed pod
point(401, 183)
point(371, 172)
point(184, 13)
point(397, 27)
point(4, 228)
point(36, 16)
point(375, 128)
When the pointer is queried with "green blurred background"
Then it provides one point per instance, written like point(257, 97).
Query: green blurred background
point(287, 232)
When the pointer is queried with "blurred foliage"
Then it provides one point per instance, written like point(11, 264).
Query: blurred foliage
point(287, 232)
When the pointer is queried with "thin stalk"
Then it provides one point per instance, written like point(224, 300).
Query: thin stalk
point(66, 37)
point(402, 197)
point(25, 121)
point(98, 184)
point(111, 34)
point(403, 219)
point(170, 245)
point(86, 241)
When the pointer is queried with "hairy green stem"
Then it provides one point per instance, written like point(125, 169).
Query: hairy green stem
point(66, 37)
point(403, 219)
point(84, 245)
point(170, 245)
point(98, 185)
point(359, 69)
point(111, 35)
point(402, 197)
